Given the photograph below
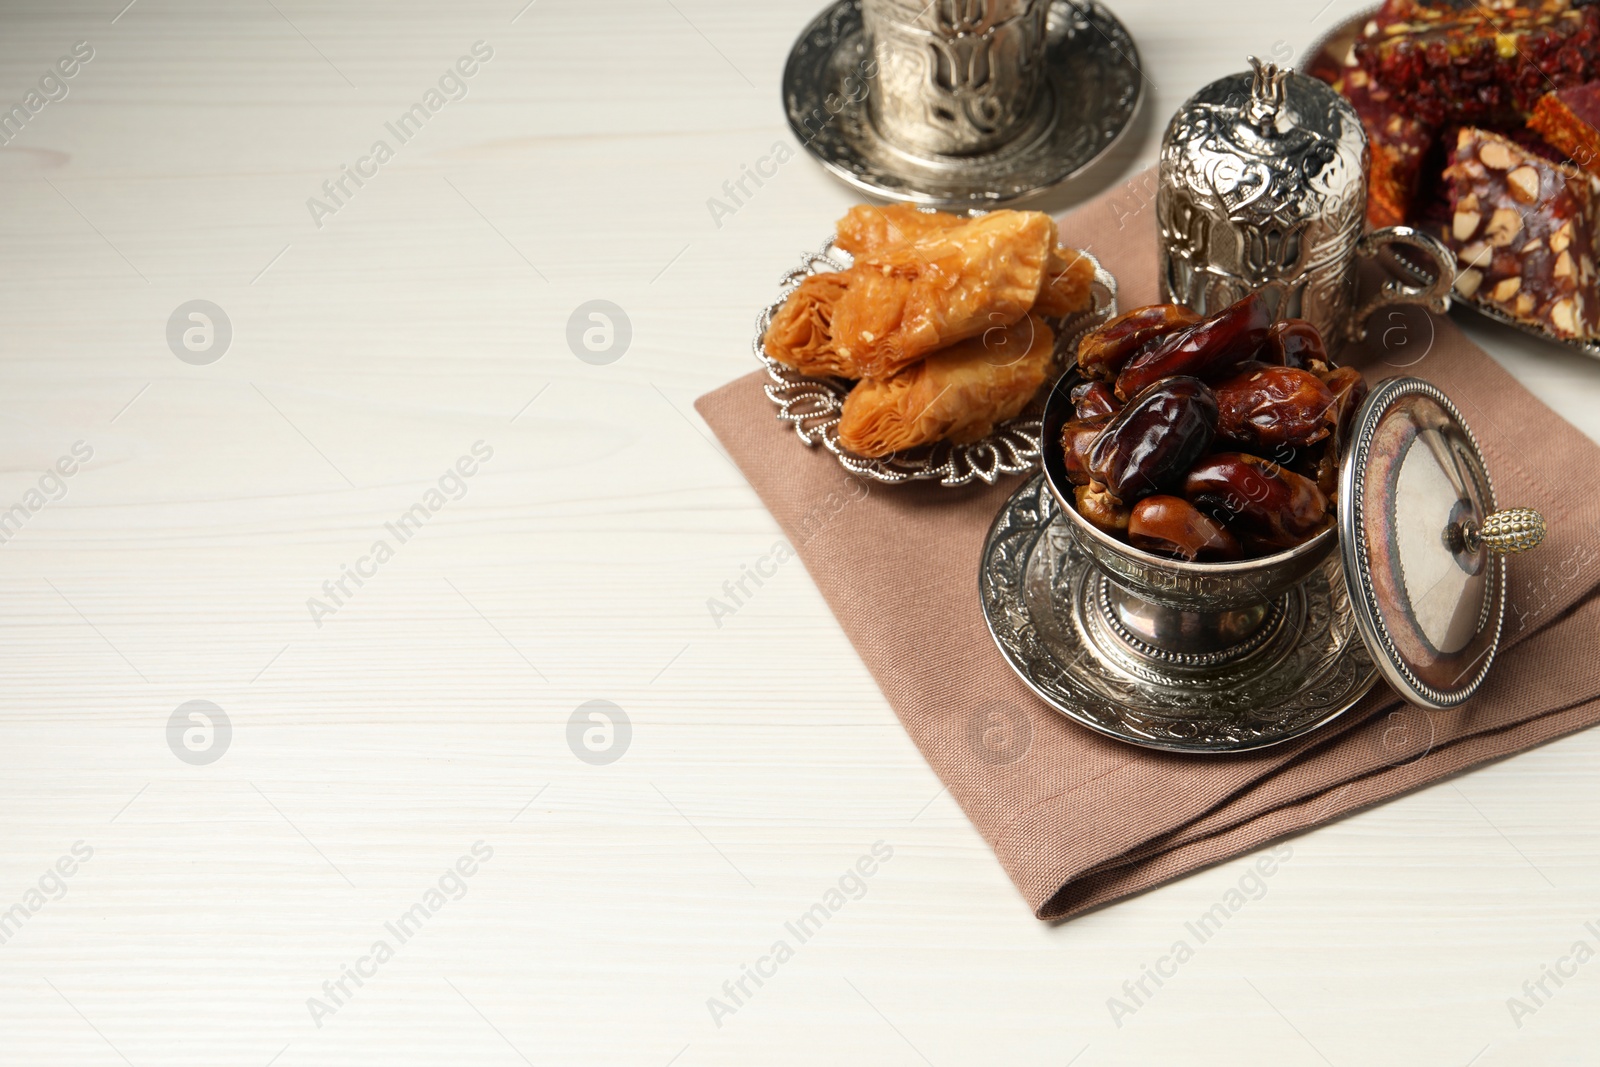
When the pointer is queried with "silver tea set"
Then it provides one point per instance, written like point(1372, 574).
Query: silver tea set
point(1262, 182)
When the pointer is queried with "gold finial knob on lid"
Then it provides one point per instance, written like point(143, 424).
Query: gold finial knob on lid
point(1505, 532)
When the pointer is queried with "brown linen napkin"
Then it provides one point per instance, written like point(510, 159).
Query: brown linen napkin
point(1078, 820)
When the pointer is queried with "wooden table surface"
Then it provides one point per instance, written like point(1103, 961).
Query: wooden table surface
point(209, 883)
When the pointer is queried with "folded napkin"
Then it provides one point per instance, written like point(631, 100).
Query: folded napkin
point(1079, 820)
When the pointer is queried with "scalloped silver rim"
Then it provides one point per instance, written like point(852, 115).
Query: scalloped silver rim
point(812, 405)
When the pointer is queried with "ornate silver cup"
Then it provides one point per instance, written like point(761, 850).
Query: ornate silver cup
point(1263, 179)
point(1169, 610)
point(955, 77)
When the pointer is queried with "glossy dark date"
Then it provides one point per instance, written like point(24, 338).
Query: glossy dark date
point(1295, 343)
point(1264, 408)
point(1103, 510)
point(1094, 398)
point(1171, 526)
point(1349, 389)
point(1273, 506)
point(1077, 437)
point(1103, 351)
point(1210, 349)
point(1150, 443)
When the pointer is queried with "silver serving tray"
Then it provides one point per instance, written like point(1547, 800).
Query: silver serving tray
point(812, 404)
point(1333, 47)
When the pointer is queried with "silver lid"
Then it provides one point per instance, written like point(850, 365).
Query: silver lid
point(1422, 540)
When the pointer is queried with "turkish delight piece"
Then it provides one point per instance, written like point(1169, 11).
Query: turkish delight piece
point(1524, 233)
point(1567, 118)
point(1399, 143)
point(1488, 64)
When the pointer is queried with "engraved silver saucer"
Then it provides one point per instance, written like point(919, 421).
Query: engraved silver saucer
point(1055, 616)
point(1330, 51)
point(1092, 93)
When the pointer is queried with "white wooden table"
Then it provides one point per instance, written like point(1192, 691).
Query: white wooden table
point(375, 738)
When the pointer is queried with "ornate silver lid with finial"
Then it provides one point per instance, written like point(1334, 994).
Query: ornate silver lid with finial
point(1263, 179)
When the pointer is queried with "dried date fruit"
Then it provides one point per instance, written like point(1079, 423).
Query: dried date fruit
point(1264, 408)
point(1296, 343)
point(1349, 389)
point(1103, 351)
point(1094, 398)
point(1077, 437)
point(1320, 463)
point(1172, 526)
point(1209, 349)
point(1274, 506)
point(1103, 510)
point(1149, 444)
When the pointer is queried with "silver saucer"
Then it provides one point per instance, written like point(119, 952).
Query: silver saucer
point(1046, 605)
point(1331, 49)
point(1094, 90)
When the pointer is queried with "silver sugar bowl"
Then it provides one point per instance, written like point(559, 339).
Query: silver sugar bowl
point(1263, 177)
point(1407, 584)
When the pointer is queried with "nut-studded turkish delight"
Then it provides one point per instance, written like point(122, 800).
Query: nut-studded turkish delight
point(1474, 63)
point(1524, 233)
